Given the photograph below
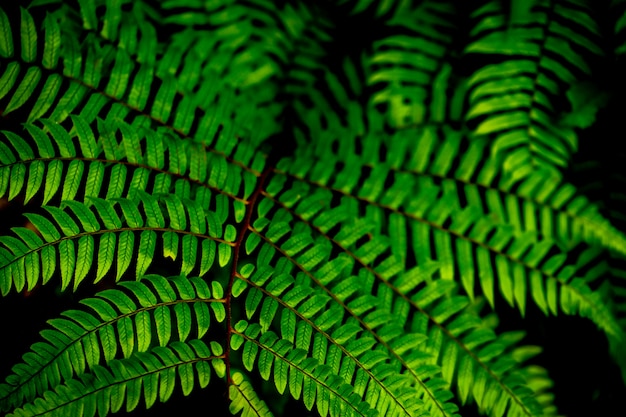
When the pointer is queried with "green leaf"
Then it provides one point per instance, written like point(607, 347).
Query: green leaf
point(53, 180)
point(163, 323)
point(190, 249)
point(9, 78)
point(52, 43)
point(87, 141)
point(35, 179)
point(125, 248)
point(147, 246)
point(182, 312)
point(143, 324)
point(46, 98)
point(126, 336)
point(67, 262)
point(208, 248)
point(73, 177)
point(106, 254)
point(119, 77)
point(28, 37)
point(6, 39)
point(243, 397)
point(24, 90)
point(224, 254)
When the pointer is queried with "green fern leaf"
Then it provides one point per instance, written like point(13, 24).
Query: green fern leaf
point(114, 245)
point(529, 135)
point(7, 40)
point(244, 399)
point(66, 351)
point(156, 371)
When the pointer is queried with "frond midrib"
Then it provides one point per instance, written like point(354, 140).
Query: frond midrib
point(98, 327)
point(458, 235)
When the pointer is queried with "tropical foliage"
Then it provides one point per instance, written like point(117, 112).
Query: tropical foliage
point(331, 203)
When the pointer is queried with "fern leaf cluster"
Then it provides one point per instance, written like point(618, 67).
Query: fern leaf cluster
point(248, 200)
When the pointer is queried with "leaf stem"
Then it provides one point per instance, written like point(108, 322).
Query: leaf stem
point(233, 274)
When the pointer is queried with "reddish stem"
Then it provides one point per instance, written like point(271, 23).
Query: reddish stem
point(229, 293)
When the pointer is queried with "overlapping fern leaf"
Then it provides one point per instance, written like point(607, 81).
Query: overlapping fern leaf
point(243, 212)
point(513, 102)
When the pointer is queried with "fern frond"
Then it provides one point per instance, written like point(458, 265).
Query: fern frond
point(306, 376)
point(73, 86)
point(254, 45)
point(24, 77)
point(86, 162)
point(118, 324)
point(309, 316)
point(434, 214)
point(335, 304)
point(106, 389)
point(513, 102)
point(409, 70)
point(308, 258)
point(101, 238)
point(266, 44)
point(560, 291)
point(528, 200)
point(420, 304)
point(244, 399)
